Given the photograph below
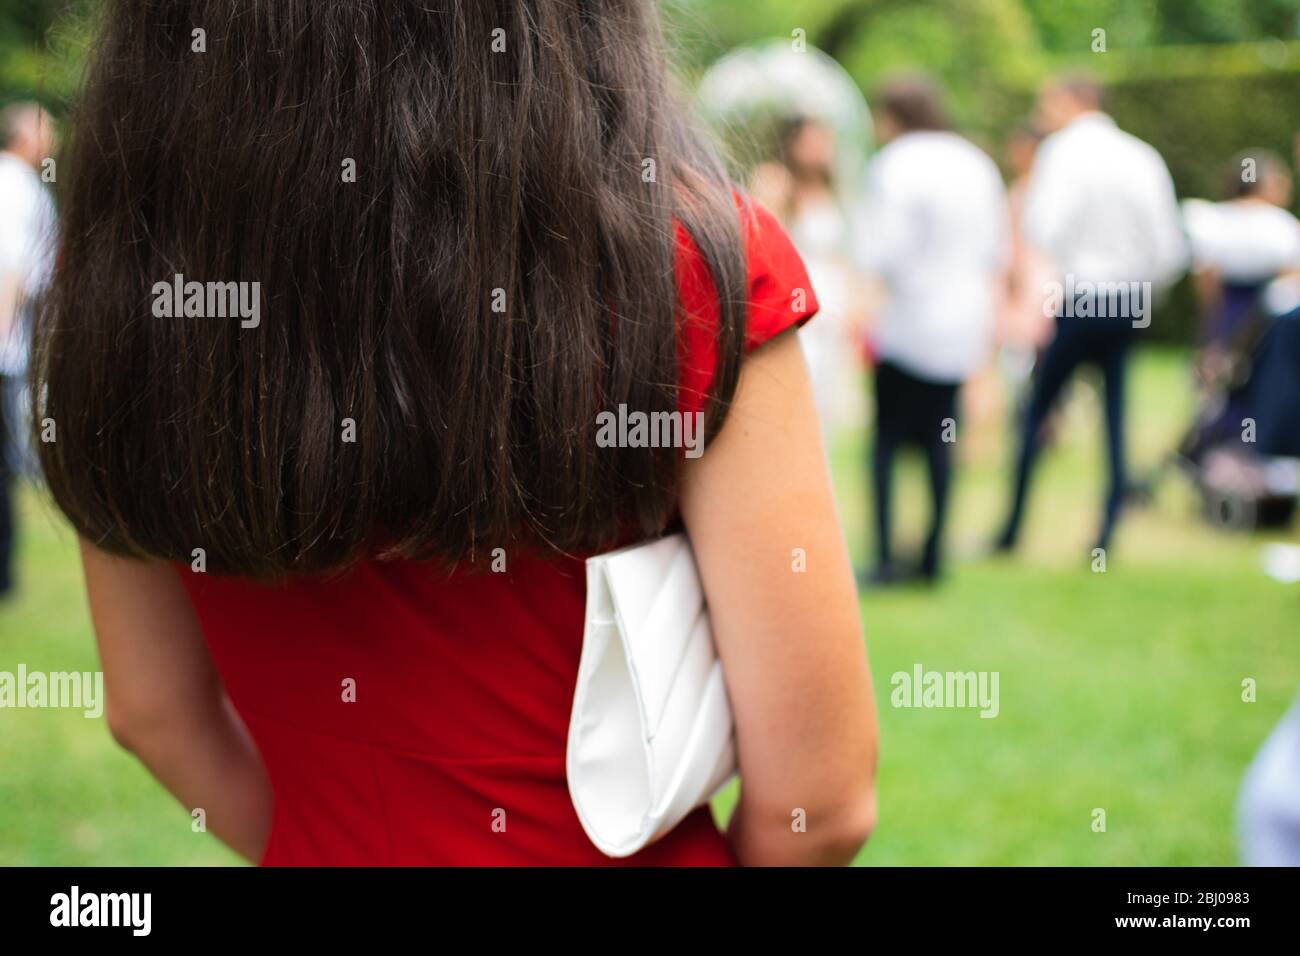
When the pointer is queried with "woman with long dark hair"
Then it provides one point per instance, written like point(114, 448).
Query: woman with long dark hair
point(345, 288)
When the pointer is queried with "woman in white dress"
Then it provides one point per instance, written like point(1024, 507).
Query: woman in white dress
point(798, 187)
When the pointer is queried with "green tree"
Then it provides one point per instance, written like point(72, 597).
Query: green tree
point(42, 48)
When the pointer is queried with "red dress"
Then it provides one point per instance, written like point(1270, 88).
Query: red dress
point(453, 751)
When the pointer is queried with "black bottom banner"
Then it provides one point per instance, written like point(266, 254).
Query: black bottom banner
point(214, 906)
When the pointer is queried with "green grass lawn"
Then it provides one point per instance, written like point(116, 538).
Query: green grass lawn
point(1119, 691)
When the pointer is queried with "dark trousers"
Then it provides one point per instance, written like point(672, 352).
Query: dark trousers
point(912, 411)
point(1105, 344)
point(6, 491)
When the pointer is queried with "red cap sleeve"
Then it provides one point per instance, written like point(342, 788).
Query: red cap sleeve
point(780, 292)
point(779, 296)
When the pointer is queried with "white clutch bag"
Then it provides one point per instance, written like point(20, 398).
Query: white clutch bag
point(651, 734)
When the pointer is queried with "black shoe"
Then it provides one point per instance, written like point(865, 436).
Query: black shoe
point(927, 575)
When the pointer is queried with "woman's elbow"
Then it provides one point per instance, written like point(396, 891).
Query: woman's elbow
point(848, 817)
point(831, 833)
point(122, 727)
point(136, 729)
point(840, 830)
point(853, 825)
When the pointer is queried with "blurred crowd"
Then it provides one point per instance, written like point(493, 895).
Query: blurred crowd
point(968, 297)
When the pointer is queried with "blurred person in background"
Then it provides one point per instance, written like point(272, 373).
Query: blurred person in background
point(1240, 244)
point(934, 236)
point(1020, 330)
point(798, 187)
point(1024, 330)
point(27, 248)
point(1100, 206)
point(1268, 808)
point(1239, 247)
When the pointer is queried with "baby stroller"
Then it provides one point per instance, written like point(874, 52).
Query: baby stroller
point(1242, 449)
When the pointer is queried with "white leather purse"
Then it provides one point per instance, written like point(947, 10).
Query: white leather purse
point(651, 734)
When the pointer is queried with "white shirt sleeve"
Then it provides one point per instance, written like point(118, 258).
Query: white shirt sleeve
point(1170, 255)
point(17, 225)
point(1199, 222)
point(28, 228)
point(1293, 249)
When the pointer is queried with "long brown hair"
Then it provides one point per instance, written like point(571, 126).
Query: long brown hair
point(500, 271)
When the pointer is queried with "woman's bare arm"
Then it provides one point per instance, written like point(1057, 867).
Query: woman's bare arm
point(165, 702)
point(758, 506)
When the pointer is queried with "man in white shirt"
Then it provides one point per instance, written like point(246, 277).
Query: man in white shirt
point(27, 251)
point(935, 235)
point(1101, 207)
